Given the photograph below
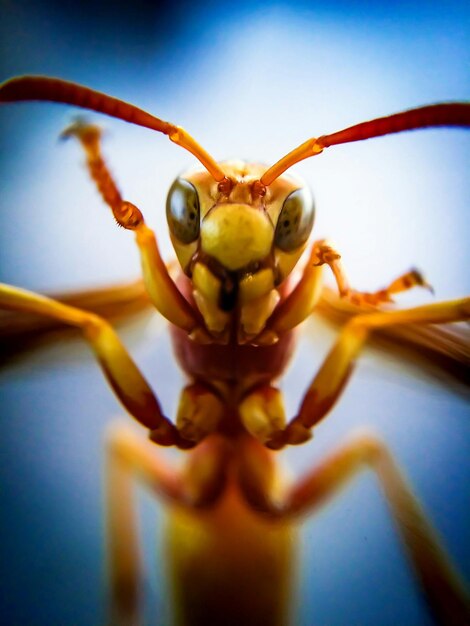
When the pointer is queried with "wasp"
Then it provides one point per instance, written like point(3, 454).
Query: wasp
point(239, 231)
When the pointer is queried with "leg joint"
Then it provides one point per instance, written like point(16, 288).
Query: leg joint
point(93, 325)
point(370, 447)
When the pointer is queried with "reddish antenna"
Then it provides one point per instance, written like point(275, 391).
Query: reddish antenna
point(58, 90)
point(447, 114)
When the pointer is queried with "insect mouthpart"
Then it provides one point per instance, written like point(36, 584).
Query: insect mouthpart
point(248, 293)
point(228, 293)
point(227, 289)
point(238, 241)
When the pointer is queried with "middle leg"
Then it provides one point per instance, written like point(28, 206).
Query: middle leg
point(329, 382)
point(118, 366)
point(262, 410)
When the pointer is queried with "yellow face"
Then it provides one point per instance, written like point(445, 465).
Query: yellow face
point(236, 243)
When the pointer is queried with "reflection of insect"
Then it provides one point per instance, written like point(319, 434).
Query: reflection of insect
point(238, 230)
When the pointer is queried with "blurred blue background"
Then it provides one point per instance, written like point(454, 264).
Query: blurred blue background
point(253, 82)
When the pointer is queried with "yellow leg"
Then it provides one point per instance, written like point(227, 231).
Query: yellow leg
point(303, 299)
point(444, 346)
point(122, 373)
point(328, 384)
point(301, 302)
point(441, 585)
point(162, 290)
point(443, 589)
point(130, 456)
point(326, 254)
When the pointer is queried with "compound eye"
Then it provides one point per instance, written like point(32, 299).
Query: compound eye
point(182, 211)
point(295, 221)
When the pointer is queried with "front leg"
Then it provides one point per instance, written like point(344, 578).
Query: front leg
point(163, 292)
point(325, 253)
point(301, 302)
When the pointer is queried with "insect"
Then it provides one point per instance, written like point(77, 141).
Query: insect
point(239, 230)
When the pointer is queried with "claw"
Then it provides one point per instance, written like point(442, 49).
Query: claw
point(421, 281)
point(326, 254)
point(82, 130)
